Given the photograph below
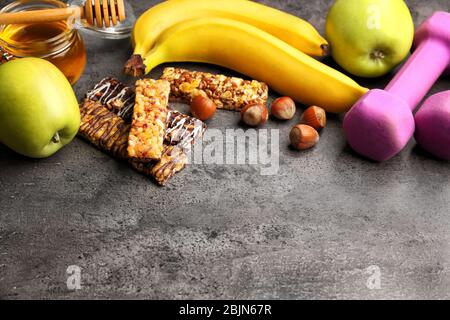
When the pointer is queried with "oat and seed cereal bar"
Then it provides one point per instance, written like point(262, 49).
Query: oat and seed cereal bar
point(115, 95)
point(148, 128)
point(227, 92)
point(104, 129)
point(110, 133)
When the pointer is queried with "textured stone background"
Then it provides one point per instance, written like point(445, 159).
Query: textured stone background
point(225, 231)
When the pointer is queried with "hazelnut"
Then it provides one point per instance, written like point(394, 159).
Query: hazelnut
point(303, 137)
point(203, 108)
point(283, 108)
point(254, 115)
point(315, 117)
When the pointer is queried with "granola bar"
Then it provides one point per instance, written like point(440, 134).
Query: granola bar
point(115, 95)
point(227, 92)
point(146, 139)
point(172, 161)
point(104, 129)
point(110, 133)
point(182, 130)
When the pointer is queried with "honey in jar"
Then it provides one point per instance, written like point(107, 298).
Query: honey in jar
point(57, 42)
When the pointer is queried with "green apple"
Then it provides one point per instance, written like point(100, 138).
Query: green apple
point(369, 38)
point(39, 112)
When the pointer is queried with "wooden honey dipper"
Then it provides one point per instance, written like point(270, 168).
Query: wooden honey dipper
point(97, 13)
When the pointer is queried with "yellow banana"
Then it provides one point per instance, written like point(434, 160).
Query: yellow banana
point(295, 31)
point(255, 53)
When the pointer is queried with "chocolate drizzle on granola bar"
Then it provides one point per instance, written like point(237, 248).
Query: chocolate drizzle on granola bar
point(183, 130)
point(115, 96)
point(103, 128)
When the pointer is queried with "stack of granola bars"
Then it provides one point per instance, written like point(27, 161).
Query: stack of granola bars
point(137, 126)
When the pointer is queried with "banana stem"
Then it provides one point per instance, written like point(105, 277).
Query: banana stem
point(326, 50)
point(135, 66)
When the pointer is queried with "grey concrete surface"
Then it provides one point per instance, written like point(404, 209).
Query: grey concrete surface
point(309, 232)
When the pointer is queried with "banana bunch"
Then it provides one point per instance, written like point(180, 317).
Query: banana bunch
point(250, 38)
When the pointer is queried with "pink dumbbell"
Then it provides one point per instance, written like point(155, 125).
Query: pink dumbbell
point(381, 123)
point(433, 125)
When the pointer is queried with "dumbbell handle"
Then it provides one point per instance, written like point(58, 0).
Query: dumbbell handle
point(428, 62)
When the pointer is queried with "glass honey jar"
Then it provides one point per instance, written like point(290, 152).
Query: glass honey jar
point(58, 42)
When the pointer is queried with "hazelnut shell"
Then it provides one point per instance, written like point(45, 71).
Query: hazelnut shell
point(203, 108)
point(254, 115)
point(315, 117)
point(303, 137)
point(283, 108)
